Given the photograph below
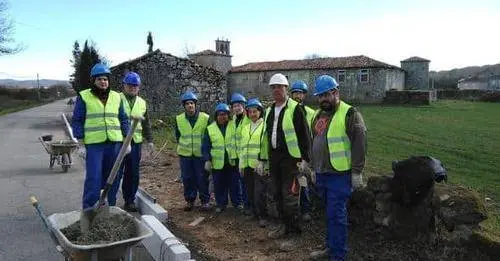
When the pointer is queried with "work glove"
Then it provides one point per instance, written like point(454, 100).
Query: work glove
point(303, 166)
point(357, 181)
point(259, 169)
point(82, 153)
point(128, 150)
point(208, 166)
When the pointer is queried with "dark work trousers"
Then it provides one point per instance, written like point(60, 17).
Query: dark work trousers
point(283, 169)
point(194, 179)
point(257, 191)
point(305, 200)
point(226, 182)
point(130, 173)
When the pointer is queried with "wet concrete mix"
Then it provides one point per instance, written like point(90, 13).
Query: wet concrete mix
point(104, 230)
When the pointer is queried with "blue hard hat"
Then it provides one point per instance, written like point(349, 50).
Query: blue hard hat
point(99, 69)
point(237, 97)
point(189, 96)
point(222, 107)
point(299, 86)
point(132, 78)
point(254, 103)
point(325, 83)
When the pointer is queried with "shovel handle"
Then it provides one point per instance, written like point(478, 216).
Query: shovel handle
point(118, 161)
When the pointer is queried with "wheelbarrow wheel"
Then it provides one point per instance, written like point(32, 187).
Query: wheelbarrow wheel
point(65, 162)
point(52, 161)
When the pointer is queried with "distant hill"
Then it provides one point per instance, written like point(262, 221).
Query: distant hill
point(31, 83)
point(449, 79)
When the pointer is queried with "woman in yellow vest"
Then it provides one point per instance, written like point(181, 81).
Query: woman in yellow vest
point(251, 138)
point(189, 130)
point(219, 154)
point(339, 148)
point(99, 122)
point(134, 105)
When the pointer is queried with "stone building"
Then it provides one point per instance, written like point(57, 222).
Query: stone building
point(165, 77)
point(417, 73)
point(488, 79)
point(361, 78)
point(220, 59)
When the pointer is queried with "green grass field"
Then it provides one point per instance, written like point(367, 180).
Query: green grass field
point(9, 106)
point(465, 136)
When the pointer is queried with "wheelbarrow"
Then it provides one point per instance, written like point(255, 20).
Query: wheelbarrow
point(119, 250)
point(59, 151)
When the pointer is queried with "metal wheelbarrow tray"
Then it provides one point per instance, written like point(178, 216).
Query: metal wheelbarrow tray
point(108, 251)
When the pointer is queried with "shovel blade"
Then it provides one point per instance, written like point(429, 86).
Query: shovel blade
point(88, 217)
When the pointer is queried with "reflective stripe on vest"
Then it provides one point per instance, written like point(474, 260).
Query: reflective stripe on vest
point(219, 146)
point(190, 139)
point(251, 145)
point(339, 145)
point(288, 128)
point(138, 109)
point(101, 120)
point(236, 132)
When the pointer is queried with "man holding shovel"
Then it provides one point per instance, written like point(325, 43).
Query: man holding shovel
point(134, 105)
point(99, 123)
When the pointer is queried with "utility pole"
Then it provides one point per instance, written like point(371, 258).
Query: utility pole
point(38, 86)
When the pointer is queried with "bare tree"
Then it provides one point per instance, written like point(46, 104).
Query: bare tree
point(313, 56)
point(6, 31)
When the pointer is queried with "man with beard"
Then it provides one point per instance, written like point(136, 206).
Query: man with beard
point(339, 148)
point(100, 124)
point(298, 92)
point(286, 144)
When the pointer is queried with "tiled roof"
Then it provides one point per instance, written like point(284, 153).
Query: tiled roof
point(360, 61)
point(415, 59)
point(207, 52)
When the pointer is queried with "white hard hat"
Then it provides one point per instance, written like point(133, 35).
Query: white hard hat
point(278, 79)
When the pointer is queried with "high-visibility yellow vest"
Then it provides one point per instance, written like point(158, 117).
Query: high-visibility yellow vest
point(251, 145)
point(219, 146)
point(235, 146)
point(190, 139)
point(139, 110)
point(309, 115)
point(101, 120)
point(288, 129)
point(339, 145)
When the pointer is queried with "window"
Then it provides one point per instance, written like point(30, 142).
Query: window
point(363, 75)
point(341, 76)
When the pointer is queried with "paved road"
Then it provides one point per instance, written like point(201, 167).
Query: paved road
point(24, 171)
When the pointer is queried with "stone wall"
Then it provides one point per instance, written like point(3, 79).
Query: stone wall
point(469, 95)
point(165, 77)
point(416, 97)
point(417, 75)
point(255, 84)
point(220, 63)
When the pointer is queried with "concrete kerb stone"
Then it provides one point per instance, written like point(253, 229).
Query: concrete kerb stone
point(163, 245)
point(149, 207)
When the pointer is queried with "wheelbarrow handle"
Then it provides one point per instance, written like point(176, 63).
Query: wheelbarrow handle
point(36, 205)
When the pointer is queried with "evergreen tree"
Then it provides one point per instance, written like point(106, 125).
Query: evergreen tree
point(74, 79)
point(88, 57)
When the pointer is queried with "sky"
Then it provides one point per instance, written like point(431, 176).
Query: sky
point(450, 33)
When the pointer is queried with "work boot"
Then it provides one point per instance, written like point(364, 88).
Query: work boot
point(278, 232)
point(219, 210)
point(319, 254)
point(189, 206)
point(205, 207)
point(306, 217)
point(130, 207)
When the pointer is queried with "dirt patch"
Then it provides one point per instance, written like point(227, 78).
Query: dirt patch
point(104, 230)
point(231, 236)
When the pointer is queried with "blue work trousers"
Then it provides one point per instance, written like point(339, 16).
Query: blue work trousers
point(336, 190)
point(129, 171)
point(227, 183)
point(99, 162)
point(194, 179)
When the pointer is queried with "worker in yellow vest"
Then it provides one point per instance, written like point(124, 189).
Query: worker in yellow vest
point(298, 92)
point(190, 127)
point(255, 183)
point(134, 105)
point(240, 119)
point(100, 123)
point(339, 149)
point(288, 144)
point(220, 157)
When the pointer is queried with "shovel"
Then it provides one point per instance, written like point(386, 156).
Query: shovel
point(89, 215)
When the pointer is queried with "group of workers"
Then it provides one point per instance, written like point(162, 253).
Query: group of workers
point(250, 151)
